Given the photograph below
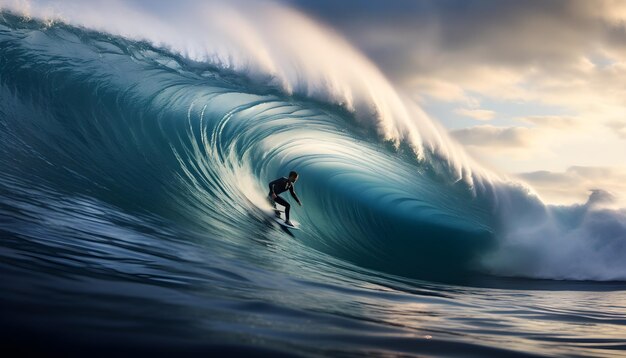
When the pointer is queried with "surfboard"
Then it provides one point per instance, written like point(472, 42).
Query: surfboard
point(279, 216)
point(281, 222)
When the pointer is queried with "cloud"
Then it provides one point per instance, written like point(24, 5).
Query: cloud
point(565, 53)
point(491, 136)
point(442, 90)
point(556, 122)
point(619, 128)
point(406, 35)
point(576, 183)
point(478, 114)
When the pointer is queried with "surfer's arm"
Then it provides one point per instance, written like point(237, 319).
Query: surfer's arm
point(293, 194)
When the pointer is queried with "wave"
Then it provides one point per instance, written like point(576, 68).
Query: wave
point(187, 119)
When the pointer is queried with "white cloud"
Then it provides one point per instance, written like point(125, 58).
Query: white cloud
point(557, 122)
point(619, 128)
point(478, 114)
point(575, 183)
point(491, 136)
point(441, 90)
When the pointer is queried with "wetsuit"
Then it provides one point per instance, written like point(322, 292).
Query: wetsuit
point(279, 186)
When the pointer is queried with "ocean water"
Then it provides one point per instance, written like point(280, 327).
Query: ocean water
point(133, 218)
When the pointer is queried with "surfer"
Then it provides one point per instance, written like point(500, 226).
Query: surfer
point(281, 185)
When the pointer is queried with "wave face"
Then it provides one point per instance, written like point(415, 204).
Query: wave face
point(147, 131)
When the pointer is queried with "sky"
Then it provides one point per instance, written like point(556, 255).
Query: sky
point(535, 89)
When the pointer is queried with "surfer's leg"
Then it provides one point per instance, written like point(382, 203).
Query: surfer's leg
point(284, 203)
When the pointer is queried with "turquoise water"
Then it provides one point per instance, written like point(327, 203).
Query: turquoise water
point(133, 217)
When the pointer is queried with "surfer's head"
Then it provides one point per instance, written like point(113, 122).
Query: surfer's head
point(293, 176)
